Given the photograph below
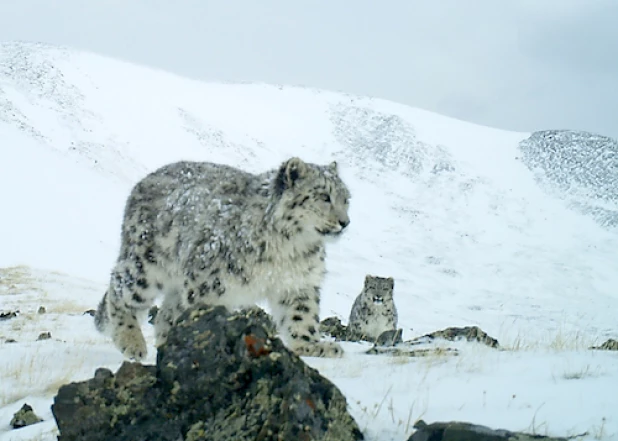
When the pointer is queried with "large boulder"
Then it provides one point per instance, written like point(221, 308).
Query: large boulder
point(220, 376)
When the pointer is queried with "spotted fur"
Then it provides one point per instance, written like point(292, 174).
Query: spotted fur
point(210, 233)
point(373, 311)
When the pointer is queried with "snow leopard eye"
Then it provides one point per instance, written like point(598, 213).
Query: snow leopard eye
point(325, 197)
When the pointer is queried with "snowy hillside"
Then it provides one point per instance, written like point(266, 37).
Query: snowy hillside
point(478, 227)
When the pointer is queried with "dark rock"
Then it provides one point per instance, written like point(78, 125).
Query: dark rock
point(98, 409)
point(152, 314)
point(263, 318)
point(10, 340)
point(24, 417)
point(410, 348)
point(408, 351)
point(8, 315)
point(90, 312)
point(44, 336)
point(332, 326)
point(220, 376)
point(459, 431)
point(609, 345)
point(42, 310)
point(469, 333)
point(390, 338)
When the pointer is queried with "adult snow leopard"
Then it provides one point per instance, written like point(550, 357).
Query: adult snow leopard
point(199, 232)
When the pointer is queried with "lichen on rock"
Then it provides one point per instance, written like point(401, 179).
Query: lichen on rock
point(220, 376)
point(25, 417)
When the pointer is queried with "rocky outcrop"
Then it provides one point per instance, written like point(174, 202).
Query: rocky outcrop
point(407, 350)
point(571, 158)
point(469, 333)
point(579, 167)
point(459, 431)
point(390, 338)
point(220, 376)
point(609, 345)
point(25, 417)
point(333, 327)
point(390, 342)
point(412, 348)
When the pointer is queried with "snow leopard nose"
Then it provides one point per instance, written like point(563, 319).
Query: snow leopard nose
point(344, 223)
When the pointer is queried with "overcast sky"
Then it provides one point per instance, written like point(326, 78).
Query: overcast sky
point(520, 65)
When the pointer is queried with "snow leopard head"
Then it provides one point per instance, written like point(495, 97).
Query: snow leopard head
point(313, 198)
point(379, 289)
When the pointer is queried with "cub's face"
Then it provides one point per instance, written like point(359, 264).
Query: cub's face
point(379, 289)
point(313, 197)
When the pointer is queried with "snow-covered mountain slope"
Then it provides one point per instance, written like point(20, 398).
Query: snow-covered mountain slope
point(478, 226)
point(443, 206)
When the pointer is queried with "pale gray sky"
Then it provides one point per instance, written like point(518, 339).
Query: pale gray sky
point(520, 65)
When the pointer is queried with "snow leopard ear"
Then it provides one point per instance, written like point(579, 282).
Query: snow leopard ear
point(333, 166)
point(391, 282)
point(290, 171)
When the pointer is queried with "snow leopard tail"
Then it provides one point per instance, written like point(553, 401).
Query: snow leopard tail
point(101, 316)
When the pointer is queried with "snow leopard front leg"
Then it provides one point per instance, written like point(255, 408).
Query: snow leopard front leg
point(297, 319)
point(127, 299)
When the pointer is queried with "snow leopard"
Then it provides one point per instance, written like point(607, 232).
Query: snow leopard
point(373, 311)
point(208, 233)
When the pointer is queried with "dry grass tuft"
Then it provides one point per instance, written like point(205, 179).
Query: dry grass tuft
point(17, 279)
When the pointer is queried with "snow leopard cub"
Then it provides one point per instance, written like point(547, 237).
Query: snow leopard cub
point(374, 310)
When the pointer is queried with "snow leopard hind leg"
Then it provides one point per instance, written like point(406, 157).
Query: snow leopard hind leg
point(296, 316)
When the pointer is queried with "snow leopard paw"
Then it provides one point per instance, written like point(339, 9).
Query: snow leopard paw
point(131, 343)
point(326, 349)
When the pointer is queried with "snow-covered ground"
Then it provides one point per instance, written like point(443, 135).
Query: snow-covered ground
point(445, 207)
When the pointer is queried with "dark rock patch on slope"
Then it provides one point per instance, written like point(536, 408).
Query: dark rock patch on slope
point(580, 167)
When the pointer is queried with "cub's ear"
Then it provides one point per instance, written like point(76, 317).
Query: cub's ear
point(290, 171)
point(391, 282)
point(333, 166)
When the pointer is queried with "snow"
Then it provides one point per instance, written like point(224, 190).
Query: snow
point(471, 235)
